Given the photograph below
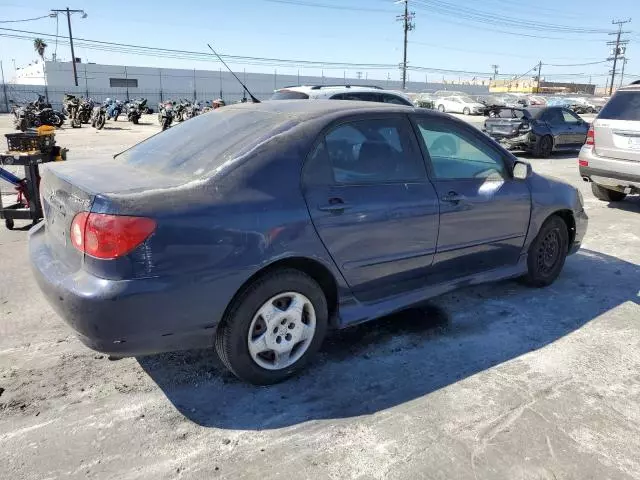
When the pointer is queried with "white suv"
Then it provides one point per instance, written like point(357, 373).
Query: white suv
point(341, 92)
point(610, 159)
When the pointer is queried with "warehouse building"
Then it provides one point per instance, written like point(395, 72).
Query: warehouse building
point(54, 79)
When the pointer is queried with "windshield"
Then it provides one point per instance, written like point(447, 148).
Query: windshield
point(197, 147)
point(288, 95)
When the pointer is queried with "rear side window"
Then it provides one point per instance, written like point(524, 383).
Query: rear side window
point(288, 95)
point(358, 96)
point(622, 106)
point(196, 148)
point(374, 151)
point(388, 98)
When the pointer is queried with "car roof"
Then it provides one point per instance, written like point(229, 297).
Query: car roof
point(305, 110)
point(318, 89)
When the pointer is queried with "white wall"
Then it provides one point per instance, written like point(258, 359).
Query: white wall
point(165, 84)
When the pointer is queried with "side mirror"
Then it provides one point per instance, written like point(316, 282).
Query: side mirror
point(522, 170)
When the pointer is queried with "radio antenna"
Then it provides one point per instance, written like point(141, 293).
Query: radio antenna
point(253, 99)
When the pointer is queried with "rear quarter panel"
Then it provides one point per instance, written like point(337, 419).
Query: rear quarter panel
point(213, 235)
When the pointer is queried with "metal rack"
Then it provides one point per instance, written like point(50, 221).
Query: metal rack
point(30, 187)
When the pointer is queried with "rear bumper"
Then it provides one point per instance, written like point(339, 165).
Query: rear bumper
point(122, 317)
point(524, 141)
point(620, 175)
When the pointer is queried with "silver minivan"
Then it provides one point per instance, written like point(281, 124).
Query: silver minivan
point(610, 159)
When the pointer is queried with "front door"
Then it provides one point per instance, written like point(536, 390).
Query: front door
point(372, 204)
point(484, 212)
point(576, 128)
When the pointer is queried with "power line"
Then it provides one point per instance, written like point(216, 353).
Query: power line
point(324, 5)
point(25, 19)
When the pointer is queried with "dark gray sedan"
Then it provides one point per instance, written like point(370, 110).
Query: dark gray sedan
point(258, 227)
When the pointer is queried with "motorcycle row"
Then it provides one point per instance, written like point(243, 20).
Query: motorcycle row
point(178, 111)
point(81, 110)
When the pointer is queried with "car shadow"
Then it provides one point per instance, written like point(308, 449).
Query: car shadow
point(390, 361)
point(106, 127)
point(629, 204)
point(554, 156)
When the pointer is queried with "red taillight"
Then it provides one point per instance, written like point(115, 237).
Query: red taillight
point(583, 163)
point(591, 137)
point(109, 236)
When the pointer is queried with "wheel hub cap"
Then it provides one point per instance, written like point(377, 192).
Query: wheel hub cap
point(281, 330)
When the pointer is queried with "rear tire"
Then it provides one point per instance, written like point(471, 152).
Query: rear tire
point(547, 253)
point(466, 111)
point(239, 328)
point(543, 147)
point(606, 195)
point(9, 223)
point(135, 120)
point(441, 108)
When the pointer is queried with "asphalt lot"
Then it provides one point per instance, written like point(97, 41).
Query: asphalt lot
point(498, 381)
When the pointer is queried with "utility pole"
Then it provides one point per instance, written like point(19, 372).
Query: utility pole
point(495, 71)
point(624, 63)
point(4, 89)
point(539, 77)
point(407, 26)
point(68, 13)
point(618, 49)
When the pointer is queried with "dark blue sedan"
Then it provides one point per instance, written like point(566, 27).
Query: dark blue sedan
point(258, 227)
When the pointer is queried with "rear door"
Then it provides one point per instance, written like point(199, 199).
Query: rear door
point(559, 129)
point(617, 128)
point(372, 204)
point(484, 211)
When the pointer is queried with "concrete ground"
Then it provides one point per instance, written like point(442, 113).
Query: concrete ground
point(497, 382)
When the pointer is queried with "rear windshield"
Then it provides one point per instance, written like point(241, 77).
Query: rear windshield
point(622, 106)
point(288, 95)
point(195, 148)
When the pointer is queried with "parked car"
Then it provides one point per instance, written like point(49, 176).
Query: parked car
point(258, 227)
point(540, 131)
point(610, 158)
point(458, 104)
point(342, 92)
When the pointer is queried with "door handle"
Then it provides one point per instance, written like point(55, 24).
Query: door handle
point(334, 205)
point(452, 197)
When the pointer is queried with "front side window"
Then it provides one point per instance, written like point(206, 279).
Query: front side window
point(457, 154)
point(373, 151)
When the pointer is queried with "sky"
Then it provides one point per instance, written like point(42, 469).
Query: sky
point(449, 34)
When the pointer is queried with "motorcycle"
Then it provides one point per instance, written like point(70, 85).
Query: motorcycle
point(35, 114)
point(135, 110)
point(99, 117)
point(192, 110)
point(165, 115)
point(114, 110)
point(179, 110)
point(71, 106)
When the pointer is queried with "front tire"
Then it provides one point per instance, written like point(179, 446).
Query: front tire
point(547, 253)
point(100, 122)
point(466, 111)
point(606, 195)
point(273, 328)
point(441, 108)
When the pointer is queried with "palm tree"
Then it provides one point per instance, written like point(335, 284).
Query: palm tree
point(39, 46)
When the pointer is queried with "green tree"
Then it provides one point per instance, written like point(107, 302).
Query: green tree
point(39, 46)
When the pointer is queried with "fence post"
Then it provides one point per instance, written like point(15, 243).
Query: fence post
point(160, 73)
point(194, 85)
